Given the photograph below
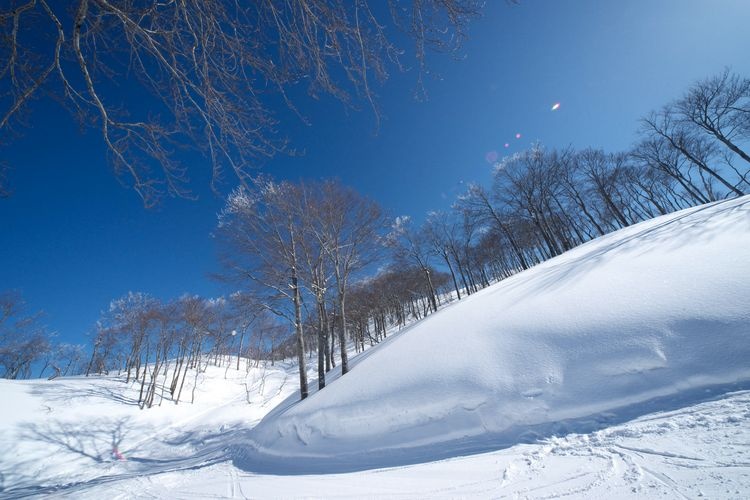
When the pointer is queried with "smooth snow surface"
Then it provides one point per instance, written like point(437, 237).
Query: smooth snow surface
point(655, 310)
point(619, 369)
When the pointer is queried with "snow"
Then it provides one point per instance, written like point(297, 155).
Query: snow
point(658, 309)
point(697, 451)
point(618, 369)
point(65, 431)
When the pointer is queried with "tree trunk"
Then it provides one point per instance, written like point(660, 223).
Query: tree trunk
point(326, 332)
point(321, 345)
point(342, 335)
point(453, 275)
point(300, 337)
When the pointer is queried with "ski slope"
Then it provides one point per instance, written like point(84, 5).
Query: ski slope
point(617, 369)
point(697, 451)
point(599, 334)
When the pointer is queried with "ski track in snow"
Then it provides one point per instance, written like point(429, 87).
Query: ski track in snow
point(647, 457)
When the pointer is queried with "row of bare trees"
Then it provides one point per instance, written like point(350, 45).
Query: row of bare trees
point(297, 247)
point(544, 202)
point(160, 345)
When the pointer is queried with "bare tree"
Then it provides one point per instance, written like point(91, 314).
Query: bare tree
point(700, 151)
point(657, 153)
point(245, 309)
point(413, 248)
point(348, 228)
point(213, 68)
point(23, 340)
point(603, 173)
point(63, 359)
point(316, 268)
point(479, 205)
point(720, 106)
point(259, 230)
point(441, 231)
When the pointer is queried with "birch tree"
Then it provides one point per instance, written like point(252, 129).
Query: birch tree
point(349, 228)
point(259, 230)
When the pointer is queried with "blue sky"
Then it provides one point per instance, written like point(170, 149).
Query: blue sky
point(73, 238)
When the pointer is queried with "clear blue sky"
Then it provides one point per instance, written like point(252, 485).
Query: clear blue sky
point(72, 238)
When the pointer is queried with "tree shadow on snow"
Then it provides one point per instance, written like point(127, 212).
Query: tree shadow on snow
point(79, 388)
point(109, 450)
point(97, 441)
point(89, 445)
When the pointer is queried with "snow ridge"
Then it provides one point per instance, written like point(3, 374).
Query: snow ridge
point(656, 310)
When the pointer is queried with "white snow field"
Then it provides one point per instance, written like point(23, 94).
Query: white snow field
point(619, 369)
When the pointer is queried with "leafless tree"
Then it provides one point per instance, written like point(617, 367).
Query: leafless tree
point(315, 268)
point(441, 232)
point(259, 230)
point(720, 106)
point(483, 207)
point(413, 248)
point(348, 227)
point(603, 174)
point(245, 309)
point(708, 129)
point(63, 359)
point(215, 70)
point(23, 340)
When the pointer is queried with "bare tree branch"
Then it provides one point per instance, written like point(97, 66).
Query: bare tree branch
point(216, 70)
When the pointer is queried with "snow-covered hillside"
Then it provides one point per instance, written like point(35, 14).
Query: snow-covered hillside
point(594, 336)
point(620, 368)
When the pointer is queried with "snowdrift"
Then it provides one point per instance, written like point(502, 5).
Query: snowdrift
point(644, 318)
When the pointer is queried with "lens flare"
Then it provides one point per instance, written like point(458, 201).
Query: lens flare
point(491, 157)
point(507, 145)
point(518, 136)
point(556, 106)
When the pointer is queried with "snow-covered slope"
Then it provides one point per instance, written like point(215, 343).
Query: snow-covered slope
point(660, 309)
point(631, 343)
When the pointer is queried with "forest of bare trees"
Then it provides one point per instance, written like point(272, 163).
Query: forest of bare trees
point(316, 269)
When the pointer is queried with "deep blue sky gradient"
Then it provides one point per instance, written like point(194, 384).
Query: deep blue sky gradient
point(72, 238)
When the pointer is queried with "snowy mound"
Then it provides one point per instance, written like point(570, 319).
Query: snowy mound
point(656, 312)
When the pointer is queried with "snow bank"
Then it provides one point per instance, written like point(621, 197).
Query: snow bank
point(657, 310)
